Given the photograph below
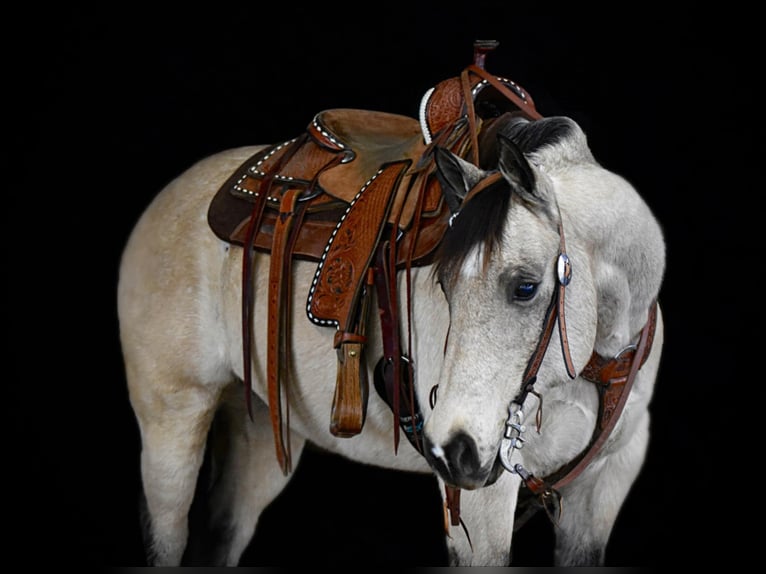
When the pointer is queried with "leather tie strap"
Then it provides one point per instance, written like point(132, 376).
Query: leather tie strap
point(254, 225)
point(285, 232)
point(247, 297)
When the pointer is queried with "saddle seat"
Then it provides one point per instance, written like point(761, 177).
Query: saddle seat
point(340, 151)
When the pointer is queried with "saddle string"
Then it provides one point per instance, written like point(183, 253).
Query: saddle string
point(394, 303)
point(291, 212)
point(247, 296)
point(423, 177)
point(452, 494)
point(286, 228)
point(248, 258)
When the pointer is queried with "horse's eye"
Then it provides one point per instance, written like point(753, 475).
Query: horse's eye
point(525, 291)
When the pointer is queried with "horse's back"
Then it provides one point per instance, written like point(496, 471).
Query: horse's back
point(168, 294)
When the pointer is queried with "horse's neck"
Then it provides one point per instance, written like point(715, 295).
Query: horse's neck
point(608, 223)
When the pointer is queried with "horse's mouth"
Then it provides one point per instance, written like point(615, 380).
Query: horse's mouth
point(460, 469)
point(475, 481)
point(494, 474)
point(496, 471)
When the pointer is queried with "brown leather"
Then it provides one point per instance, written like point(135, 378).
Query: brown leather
point(343, 267)
point(254, 222)
point(388, 313)
point(615, 378)
point(349, 407)
point(230, 209)
point(523, 102)
point(563, 335)
point(374, 139)
point(447, 101)
point(452, 503)
point(349, 404)
point(554, 314)
point(280, 273)
point(606, 370)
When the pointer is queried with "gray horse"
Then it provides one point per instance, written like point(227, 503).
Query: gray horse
point(553, 221)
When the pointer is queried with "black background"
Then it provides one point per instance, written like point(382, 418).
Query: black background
point(107, 107)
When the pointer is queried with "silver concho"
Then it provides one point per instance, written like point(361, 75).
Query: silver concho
point(564, 269)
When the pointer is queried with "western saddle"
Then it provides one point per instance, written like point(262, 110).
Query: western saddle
point(357, 193)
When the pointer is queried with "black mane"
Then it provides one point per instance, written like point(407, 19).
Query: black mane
point(482, 220)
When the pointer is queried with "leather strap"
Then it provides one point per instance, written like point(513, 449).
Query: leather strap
point(389, 325)
point(280, 271)
point(248, 259)
point(247, 297)
point(526, 105)
point(452, 503)
point(465, 85)
point(554, 313)
point(564, 273)
point(349, 406)
point(615, 378)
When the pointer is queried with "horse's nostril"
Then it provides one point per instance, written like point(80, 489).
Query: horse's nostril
point(435, 456)
point(456, 461)
point(462, 455)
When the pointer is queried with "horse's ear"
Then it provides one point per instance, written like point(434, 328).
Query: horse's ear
point(455, 175)
point(515, 167)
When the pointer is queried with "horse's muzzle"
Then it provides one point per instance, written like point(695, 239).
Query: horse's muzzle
point(457, 462)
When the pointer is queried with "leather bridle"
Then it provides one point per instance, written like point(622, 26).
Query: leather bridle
point(554, 314)
point(614, 378)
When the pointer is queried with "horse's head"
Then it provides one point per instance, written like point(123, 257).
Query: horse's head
point(500, 269)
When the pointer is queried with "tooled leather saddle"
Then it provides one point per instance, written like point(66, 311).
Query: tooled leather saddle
point(357, 193)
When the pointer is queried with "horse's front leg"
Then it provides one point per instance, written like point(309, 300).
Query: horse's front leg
point(592, 502)
point(484, 538)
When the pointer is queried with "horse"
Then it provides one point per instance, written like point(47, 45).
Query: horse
point(534, 323)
